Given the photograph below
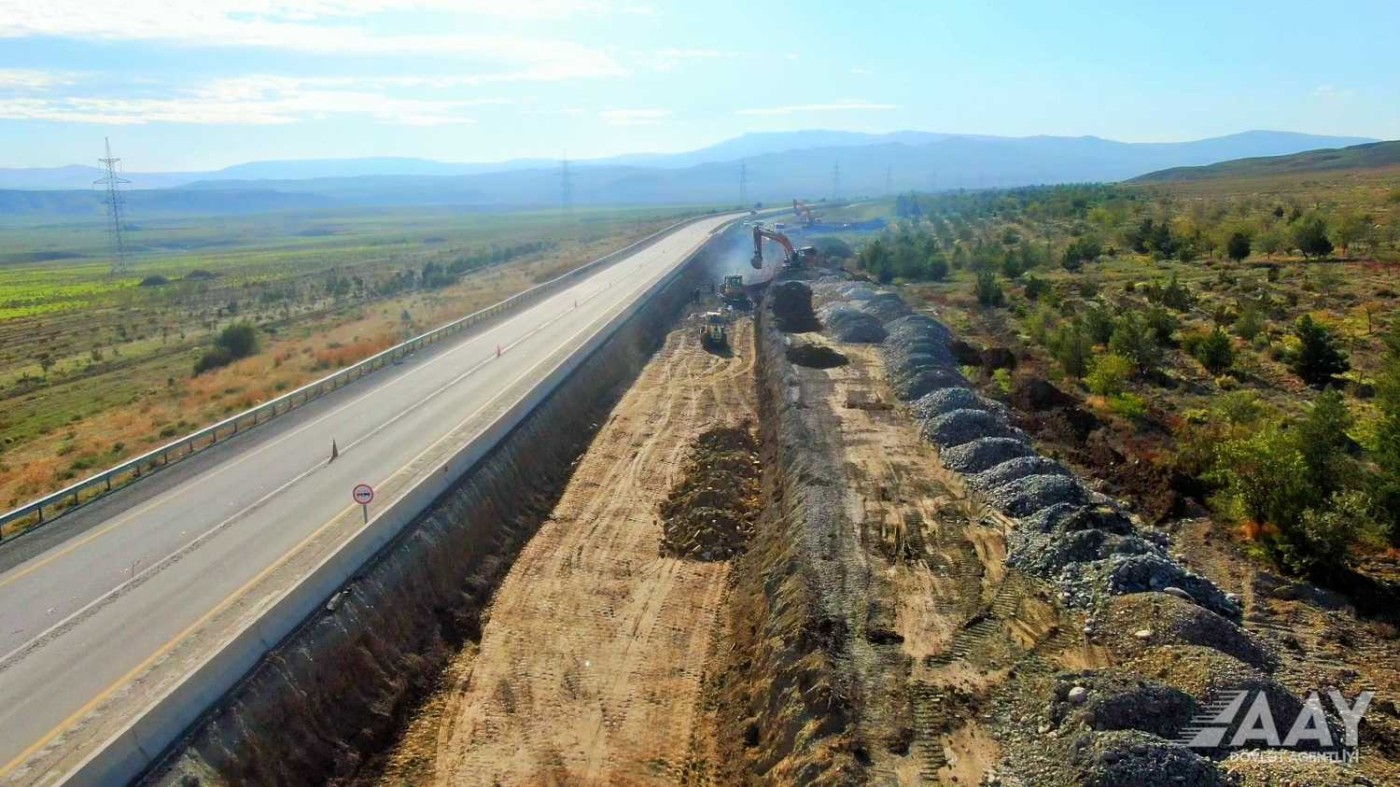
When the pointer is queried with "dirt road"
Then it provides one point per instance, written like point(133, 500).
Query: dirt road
point(591, 664)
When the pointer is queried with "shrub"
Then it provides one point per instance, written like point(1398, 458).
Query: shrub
point(1319, 359)
point(1214, 351)
point(1110, 375)
point(1237, 247)
point(1310, 237)
point(236, 341)
point(1325, 535)
point(1128, 405)
point(1034, 287)
point(1099, 323)
point(1072, 348)
point(1250, 323)
point(988, 289)
point(1133, 339)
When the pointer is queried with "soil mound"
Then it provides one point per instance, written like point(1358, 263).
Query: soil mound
point(792, 306)
point(710, 514)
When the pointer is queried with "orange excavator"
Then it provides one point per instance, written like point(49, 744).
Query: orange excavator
point(804, 212)
point(791, 257)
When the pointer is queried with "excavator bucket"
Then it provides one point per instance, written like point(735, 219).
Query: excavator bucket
point(757, 261)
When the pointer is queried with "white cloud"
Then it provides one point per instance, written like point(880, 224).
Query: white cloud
point(1331, 92)
point(249, 101)
point(669, 58)
point(322, 27)
point(842, 106)
point(27, 79)
point(634, 117)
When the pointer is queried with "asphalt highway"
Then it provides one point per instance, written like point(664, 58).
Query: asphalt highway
point(88, 615)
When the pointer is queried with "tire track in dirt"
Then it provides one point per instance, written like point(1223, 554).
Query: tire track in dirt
point(592, 661)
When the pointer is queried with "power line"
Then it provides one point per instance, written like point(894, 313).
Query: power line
point(111, 181)
point(566, 185)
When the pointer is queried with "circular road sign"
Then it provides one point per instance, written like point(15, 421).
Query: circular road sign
point(363, 494)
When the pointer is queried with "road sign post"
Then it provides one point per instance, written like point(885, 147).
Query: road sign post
point(364, 495)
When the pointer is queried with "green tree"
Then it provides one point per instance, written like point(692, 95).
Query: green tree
point(1319, 359)
point(1385, 486)
point(1133, 339)
point(1310, 237)
point(1250, 322)
point(1237, 246)
point(1074, 350)
point(1215, 352)
point(988, 290)
point(1323, 443)
point(1270, 241)
point(1351, 227)
point(1099, 323)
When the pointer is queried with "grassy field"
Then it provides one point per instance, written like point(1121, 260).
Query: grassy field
point(96, 367)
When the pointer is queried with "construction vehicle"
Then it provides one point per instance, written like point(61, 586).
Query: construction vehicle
point(732, 291)
point(714, 331)
point(804, 212)
point(791, 257)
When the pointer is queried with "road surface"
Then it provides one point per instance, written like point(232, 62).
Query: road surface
point(95, 624)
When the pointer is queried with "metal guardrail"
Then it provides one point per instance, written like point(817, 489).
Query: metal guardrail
point(131, 470)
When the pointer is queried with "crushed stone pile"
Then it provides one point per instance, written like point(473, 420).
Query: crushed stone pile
point(1112, 726)
point(975, 437)
point(710, 513)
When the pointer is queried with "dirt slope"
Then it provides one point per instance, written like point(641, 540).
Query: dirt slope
point(592, 662)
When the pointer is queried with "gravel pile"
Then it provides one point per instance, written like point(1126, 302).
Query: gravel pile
point(851, 325)
point(946, 400)
point(1015, 470)
point(1105, 727)
point(975, 437)
point(985, 453)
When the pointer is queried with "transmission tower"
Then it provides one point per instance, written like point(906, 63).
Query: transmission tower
point(566, 185)
point(112, 182)
point(743, 184)
point(836, 182)
point(889, 180)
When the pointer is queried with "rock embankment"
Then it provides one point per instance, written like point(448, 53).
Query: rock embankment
point(1173, 637)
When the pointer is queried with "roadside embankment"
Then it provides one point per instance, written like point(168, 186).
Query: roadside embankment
point(1171, 648)
point(333, 697)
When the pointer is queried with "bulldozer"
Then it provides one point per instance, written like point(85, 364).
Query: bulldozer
point(732, 292)
point(714, 332)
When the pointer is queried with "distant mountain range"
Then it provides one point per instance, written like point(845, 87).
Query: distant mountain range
point(1376, 155)
point(779, 166)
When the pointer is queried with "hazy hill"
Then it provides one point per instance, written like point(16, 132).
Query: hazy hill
point(942, 162)
point(54, 204)
point(1369, 156)
point(1064, 156)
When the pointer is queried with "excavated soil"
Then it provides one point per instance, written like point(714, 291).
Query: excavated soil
point(709, 515)
point(872, 617)
point(592, 663)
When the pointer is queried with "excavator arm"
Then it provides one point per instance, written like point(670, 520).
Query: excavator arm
point(804, 212)
point(759, 233)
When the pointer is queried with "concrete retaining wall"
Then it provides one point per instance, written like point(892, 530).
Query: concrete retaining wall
point(316, 688)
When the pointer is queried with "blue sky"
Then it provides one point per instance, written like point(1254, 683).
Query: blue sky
point(199, 84)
